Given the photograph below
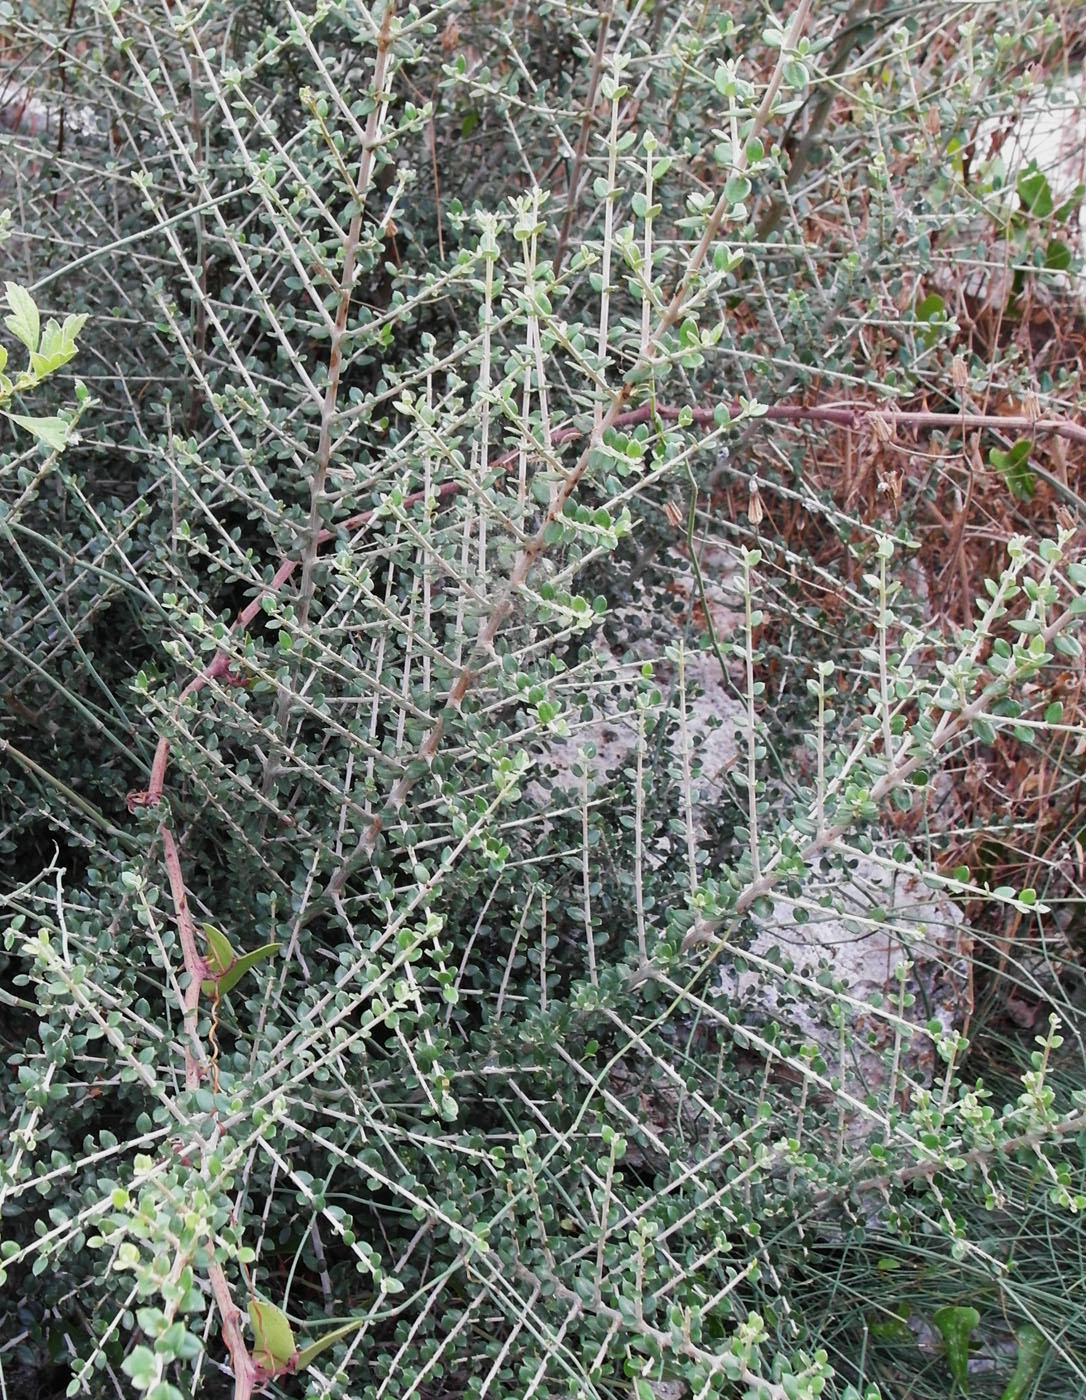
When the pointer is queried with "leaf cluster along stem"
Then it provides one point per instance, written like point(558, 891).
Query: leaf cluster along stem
point(850, 416)
point(901, 765)
point(343, 306)
point(505, 1070)
point(535, 548)
point(612, 411)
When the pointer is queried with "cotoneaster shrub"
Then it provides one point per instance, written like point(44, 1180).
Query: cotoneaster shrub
point(433, 345)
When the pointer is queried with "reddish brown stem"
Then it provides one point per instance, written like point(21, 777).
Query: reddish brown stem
point(855, 415)
point(195, 963)
point(246, 1373)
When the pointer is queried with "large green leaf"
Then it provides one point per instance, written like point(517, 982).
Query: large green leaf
point(1033, 1347)
point(227, 967)
point(52, 431)
point(273, 1337)
point(956, 1325)
point(24, 320)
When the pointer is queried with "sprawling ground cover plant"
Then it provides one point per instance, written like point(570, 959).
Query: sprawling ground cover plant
point(368, 1035)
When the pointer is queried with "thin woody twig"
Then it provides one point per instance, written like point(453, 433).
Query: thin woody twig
point(343, 306)
point(246, 1374)
point(573, 186)
point(195, 963)
point(535, 547)
point(219, 665)
point(843, 415)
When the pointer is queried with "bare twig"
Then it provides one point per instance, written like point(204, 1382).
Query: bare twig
point(572, 188)
point(343, 306)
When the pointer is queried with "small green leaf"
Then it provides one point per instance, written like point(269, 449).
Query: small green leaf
point(931, 312)
point(956, 1326)
point(1058, 256)
point(140, 1366)
point(227, 968)
point(796, 74)
point(892, 1328)
point(273, 1346)
point(1012, 465)
point(1013, 457)
point(24, 321)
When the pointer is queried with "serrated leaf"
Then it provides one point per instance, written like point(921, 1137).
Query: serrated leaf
point(73, 324)
point(273, 1345)
point(56, 349)
point(24, 322)
point(52, 431)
